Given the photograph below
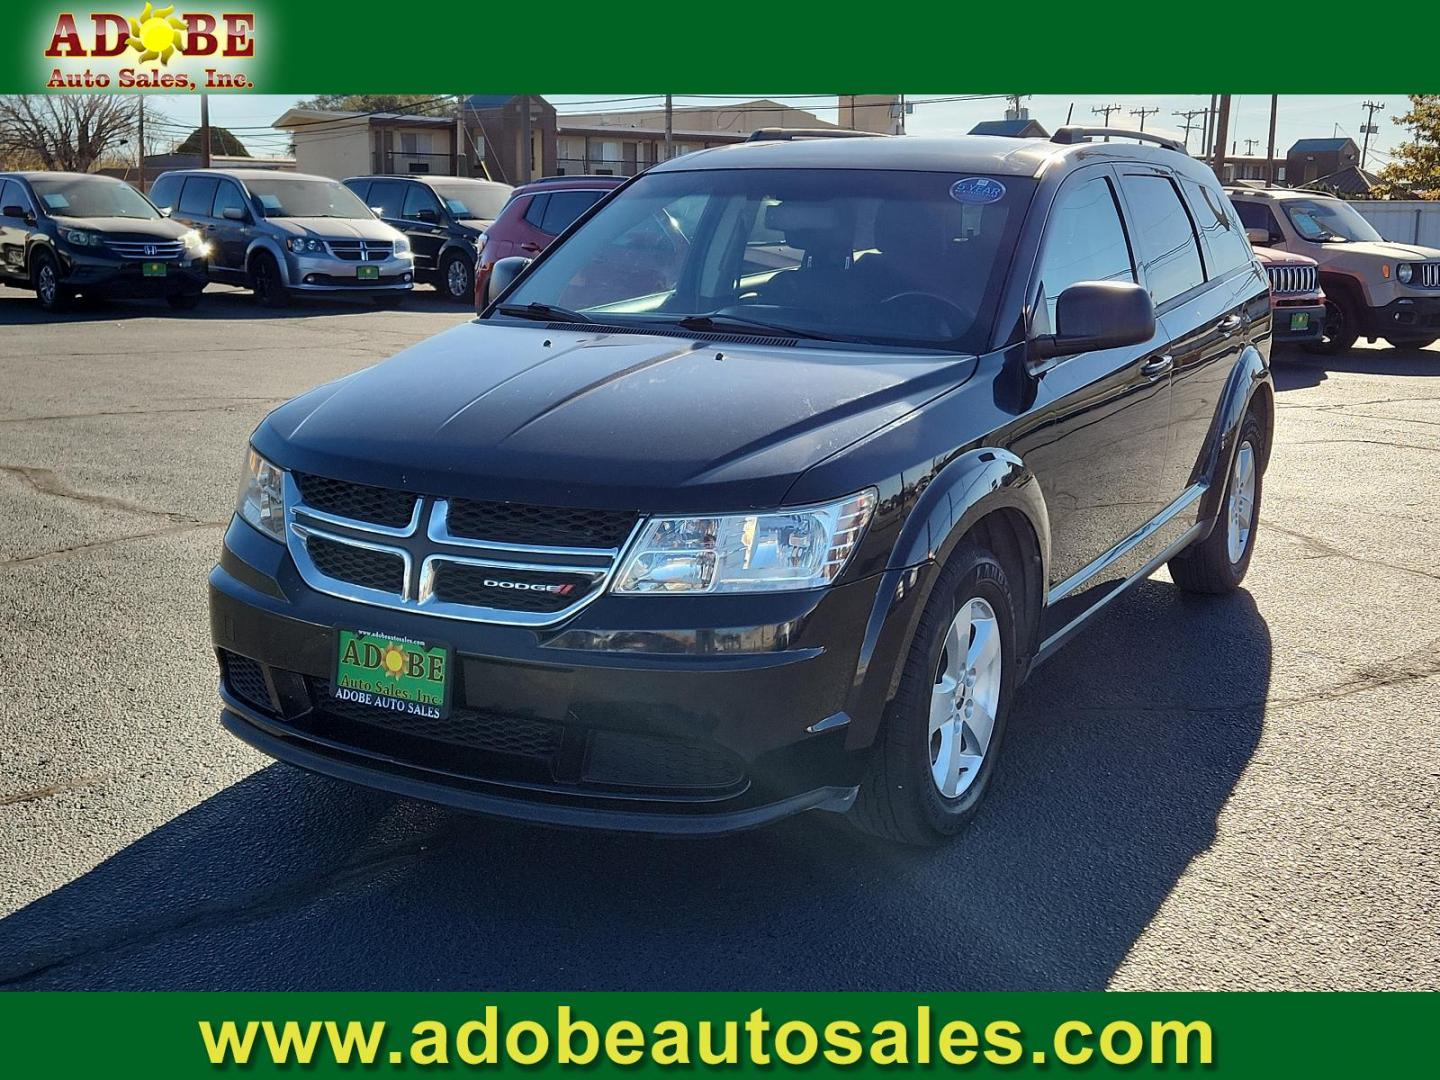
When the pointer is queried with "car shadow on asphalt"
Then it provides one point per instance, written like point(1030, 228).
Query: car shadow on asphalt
point(1296, 370)
point(20, 309)
point(1120, 756)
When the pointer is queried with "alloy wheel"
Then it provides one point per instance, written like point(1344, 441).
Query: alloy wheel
point(965, 698)
point(47, 286)
point(1240, 504)
point(457, 279)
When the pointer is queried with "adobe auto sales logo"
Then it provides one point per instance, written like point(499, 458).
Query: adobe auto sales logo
point(154, 49)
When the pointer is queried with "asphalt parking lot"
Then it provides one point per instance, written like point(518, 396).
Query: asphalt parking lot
point(1231, 793)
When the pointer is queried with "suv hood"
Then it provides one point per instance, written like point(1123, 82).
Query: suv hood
point(1384, 249)
point(617, 421)
point(159, 228)
point(333, 228)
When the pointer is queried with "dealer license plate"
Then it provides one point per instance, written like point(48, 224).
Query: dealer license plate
point(153, 269)
point(395, 673)
point(1300, 320)
point(367, 273)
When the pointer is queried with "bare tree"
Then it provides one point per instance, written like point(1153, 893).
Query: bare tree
point(67, 132)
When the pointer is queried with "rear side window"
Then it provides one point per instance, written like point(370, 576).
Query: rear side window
point(1084, 241)
point(535, 212)
point(387, 196)
point(564, 207)
point(164, 191)
point(1166, 236)
point(1224, 238)
point(198, 195)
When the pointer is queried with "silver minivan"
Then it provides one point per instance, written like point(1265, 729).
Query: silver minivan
point(281, 233)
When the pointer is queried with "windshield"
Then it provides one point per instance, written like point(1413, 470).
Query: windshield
point(910, 259)
point(464, 201)
point(93, 197)
point(1327, 221)
point(289, 197)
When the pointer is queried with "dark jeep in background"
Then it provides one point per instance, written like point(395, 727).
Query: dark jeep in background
point(784, 533)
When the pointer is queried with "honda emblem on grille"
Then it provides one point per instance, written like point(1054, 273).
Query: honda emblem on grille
point(149, 249)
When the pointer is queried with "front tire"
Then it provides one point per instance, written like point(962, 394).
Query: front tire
point(266, 282)
point(941, 735)
point(1342, 326)
point(45, 280)
point(457, 279)
point(1217, 564)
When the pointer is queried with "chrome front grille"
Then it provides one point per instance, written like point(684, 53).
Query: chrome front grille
point(360, 250)
point(401, 550)
point(1427, 275)
point(161, 250)
point(1292, 279)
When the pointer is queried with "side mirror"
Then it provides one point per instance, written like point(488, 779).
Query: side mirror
point(378, 211)
point(235, 213)
point(505, 273)
point(1258, 236)
point(430, 217)
point(1094, 315)
point(15, 212)
point(165, 211)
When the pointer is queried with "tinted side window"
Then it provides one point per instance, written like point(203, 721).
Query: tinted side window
point(1167, 237)
point(361, 189)
point(1084, 241)
point(419, 197)
point(564, 207)
point(198, 194)
point(7, 195)
point(228, 196)
point(1257, 216)
point(164, 191)
point(535, 212)
point(387, 196)
point(1224, 238)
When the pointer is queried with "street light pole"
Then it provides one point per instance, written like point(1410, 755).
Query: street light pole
point(205, 131)
point(140, 132)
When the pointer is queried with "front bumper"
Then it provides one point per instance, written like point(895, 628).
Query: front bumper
point(614, 719)
point(323, 273)
point(1313, 310)
point(103, 275)
point(1408, 316)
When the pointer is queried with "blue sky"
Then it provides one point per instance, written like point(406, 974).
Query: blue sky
point(1301, 116)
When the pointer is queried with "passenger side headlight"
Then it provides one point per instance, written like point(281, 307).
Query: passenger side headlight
point(1404, 272)
point(402, 246)
point(301, 245)
point(195, 244)
point(82, 237)
point(804, 548)
point(262, 496)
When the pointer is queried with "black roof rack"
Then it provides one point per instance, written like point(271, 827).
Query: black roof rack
point(787, 134)
point(576, 176)
point(1077, 134)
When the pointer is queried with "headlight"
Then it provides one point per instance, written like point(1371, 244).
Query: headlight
point(82, 237)
point(402, 246)
point(195, 244)
point(262, 498)
point(785, 549)
point(302, 245)
point(1404, 272)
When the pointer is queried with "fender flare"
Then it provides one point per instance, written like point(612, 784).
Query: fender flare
point(1250, 382)
point(454, 243)
point(968, 488)
point(272, 247)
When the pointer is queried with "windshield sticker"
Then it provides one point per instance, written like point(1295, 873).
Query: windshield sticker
point(270, 202)
point(977, 191)
point(55, 201)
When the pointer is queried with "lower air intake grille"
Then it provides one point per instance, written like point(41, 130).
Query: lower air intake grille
point(246, 680)
point(364, 567)
point(623, 759)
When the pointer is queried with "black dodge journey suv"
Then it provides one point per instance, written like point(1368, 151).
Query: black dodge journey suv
point(780, 524)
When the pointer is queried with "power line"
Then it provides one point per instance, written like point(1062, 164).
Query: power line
point(1142, 113)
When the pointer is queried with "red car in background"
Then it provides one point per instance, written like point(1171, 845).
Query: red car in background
point(536, 213)
point(1296, 302)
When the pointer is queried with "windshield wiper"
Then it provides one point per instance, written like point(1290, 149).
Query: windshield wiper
point(543, 312)
point(719, 323)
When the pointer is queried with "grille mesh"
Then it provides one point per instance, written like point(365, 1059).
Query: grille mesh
point(362, 502)
point(359, 566)
point(549, 526)
point(463, 727)
point(246, 679)
point(458, 583)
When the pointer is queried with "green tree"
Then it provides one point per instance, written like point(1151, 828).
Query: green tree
point(1414, 172)
point(428, 104)
point(222, 141)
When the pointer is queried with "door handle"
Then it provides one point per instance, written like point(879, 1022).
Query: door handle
point(1228, 325)
point(1157, 366)
point(527, 246)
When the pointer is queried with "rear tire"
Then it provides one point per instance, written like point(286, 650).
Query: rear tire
point(933, 759)
point(1217, 564)
point(1342, 326)
point(266, 282)
point(457, 279)
point(45, 280)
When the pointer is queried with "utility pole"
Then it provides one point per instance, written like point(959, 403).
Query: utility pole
point(1222, 132)
point(1142, 113)
point(1250, 147)
point(1106, 110)
point(669, 126)
point(462, 155)
point(1270, 151)
point(527, 155)
point(140, 132)
point(205, 131)
point(1369, 128)
point(1190, 125)
point(1209, 136)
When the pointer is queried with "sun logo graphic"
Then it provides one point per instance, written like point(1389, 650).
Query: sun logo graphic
point(157, 34)
point(392, 660)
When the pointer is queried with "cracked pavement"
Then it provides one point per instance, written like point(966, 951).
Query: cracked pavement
point(1197, 793)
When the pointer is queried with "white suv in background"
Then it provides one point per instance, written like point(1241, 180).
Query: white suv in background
point(1373, 288)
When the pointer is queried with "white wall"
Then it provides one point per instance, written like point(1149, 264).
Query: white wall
point(1405, 222)
point(337, 150)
